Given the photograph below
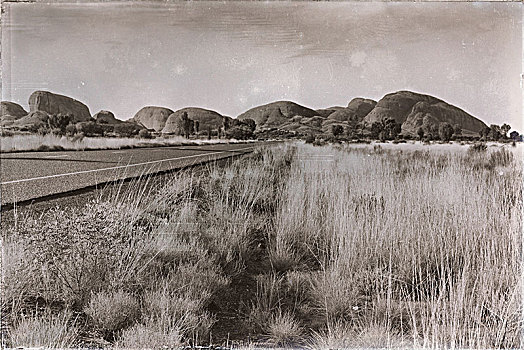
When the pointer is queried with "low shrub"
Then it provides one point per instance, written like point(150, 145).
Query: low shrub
point(45, 330)
point(284, 330)
point(149, 337)
point(145, 134)
point(478, 147)
point(112, 311)
point(319, 142)
point(310, 138)
point(75, 251)
point(167, 308)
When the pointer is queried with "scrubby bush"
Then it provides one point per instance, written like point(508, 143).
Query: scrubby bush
point(126, 129)
point(70, 130)
point(145, 134)
point(478, 147)
point(89, 128)
point(112, 311)
point(81, 250)
point(45, 330)
point(284, 330)
point(445, 131)
point(310, 138)
point(149, 337)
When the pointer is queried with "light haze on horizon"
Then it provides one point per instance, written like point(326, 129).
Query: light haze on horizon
point(232, 56)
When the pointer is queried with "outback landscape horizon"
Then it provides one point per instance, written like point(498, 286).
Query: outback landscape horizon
point(411, 110)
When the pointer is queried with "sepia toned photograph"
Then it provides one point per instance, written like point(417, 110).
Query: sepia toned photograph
point(221, 175)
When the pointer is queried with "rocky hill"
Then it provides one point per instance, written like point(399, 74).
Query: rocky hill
point(355, 112)
point(106, 117)
point(326, 112)
point(207, 119)
point(53, 104)
point(32, 121)
point(152, 117)
point(12, 111)
point(412, 110)
point(274, 115)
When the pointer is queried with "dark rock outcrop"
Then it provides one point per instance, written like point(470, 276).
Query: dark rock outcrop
point(275, 114)
point(411, 110)
point(424, 114)
point(207, 119)
point(326, 112)
point(106, 117)
point(354, 113)
point(152, 117)
point(33, 120)
point(54, 104)
point(179, 124)
point(12, 111)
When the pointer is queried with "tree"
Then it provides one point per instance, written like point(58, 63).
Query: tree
point(145, 134)
point(337, 129)
point(515, 136)
point(226, 122)
point(240, 129)
point(70, 130)
point(189, 127)
point(376, 128)
point(495, 132)
point(126, 129)
point(182, 125)
point(420, 133)
point(59, 122)
point(445, 131)
point(251, 124)
point(239, 133)
point(457, 130)
point(391, 128)
point(484, 132)
point(90, 128)
point(196, 126)
point(505, 128)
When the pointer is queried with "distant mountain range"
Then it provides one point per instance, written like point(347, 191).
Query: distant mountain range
point(409, 109)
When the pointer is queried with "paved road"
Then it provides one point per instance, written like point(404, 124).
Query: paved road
point(29, 175)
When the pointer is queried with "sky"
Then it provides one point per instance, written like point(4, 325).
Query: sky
point(232, 56)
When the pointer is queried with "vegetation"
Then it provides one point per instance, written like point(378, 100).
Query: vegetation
point(331, 246)
point(240, 129)
point(51, 142)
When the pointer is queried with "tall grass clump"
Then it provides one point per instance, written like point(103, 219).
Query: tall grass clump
point(45, 330)
point(112, 311)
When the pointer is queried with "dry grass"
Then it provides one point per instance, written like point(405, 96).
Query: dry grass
point(347, 246)
point(113, 311)
point(149, 337)
point(425, 244)
point(45, 330)
point(50, 142)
